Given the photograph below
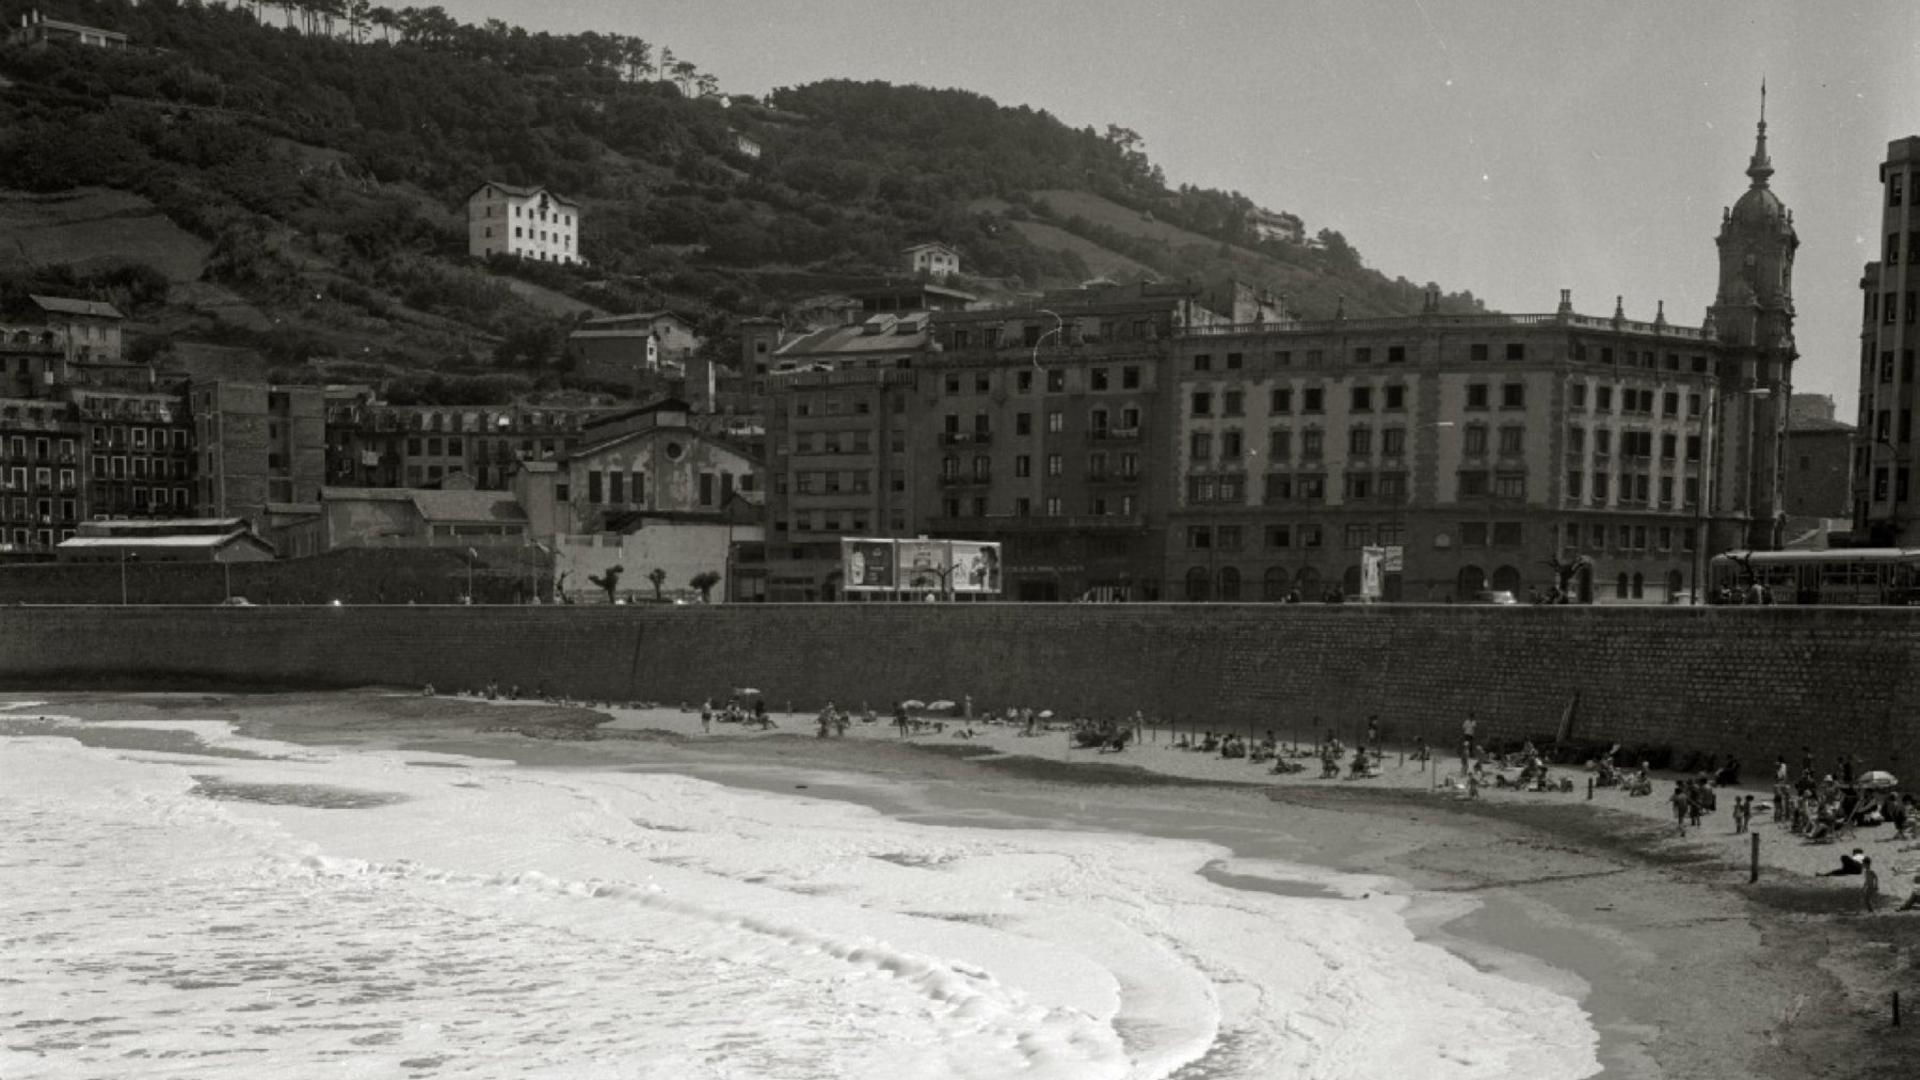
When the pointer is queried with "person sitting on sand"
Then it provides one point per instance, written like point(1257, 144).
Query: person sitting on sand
point(1640, 785)
point(1849, 864)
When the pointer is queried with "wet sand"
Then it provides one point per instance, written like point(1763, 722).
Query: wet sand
point(1686, 969)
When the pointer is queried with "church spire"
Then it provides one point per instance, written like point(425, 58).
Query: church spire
point(1761, 167)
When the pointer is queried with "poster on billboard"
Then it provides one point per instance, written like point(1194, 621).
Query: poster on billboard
point(976, 567)
point(1372, 561)
point(923, 565)
point(867, 564)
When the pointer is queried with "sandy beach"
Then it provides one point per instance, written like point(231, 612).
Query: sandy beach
point(1685, 969)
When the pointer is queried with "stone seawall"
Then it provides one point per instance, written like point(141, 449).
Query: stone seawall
point(1756, 682)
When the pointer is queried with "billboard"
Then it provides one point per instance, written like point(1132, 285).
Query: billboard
point(868, 564)
point(976, 567)
point(921, 566)
point(924, 564)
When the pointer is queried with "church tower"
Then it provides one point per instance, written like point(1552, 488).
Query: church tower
point(1752, 318)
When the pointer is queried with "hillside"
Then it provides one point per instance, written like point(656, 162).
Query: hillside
point(297, 189)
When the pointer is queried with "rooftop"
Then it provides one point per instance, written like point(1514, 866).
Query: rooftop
point(519, 192)
point(62, 305)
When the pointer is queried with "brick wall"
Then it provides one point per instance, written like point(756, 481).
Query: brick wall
point(1756, 682)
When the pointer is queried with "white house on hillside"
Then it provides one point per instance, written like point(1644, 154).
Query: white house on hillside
point(933, 260)
point(532, 223)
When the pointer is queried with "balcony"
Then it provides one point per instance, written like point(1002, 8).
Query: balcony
point(1114, 434)
point(965, 438)
point(1113, 477)
point(965, 479)
point(1006, 523)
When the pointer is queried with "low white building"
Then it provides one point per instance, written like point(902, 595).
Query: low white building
point(933, 260)
point(531, 223)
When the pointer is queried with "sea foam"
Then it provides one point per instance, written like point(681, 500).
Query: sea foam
point(493, 920)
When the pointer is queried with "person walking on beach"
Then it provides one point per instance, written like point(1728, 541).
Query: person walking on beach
point(1680, 804)
point(1869, 884)
point(1373, 729)
point(1467, 728)
point(706, 716)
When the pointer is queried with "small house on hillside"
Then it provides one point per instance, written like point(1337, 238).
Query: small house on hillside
point(92, 327)
point(933, 260)
point(526, 222)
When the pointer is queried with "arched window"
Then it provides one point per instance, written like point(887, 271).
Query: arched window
point(1197, 584)
point(1622, 586)
point(1508, 579)
point(1676, 584)
point(1350, 581)
point(1274, 585)
point(1470, 580)
point(1229, 583)
point(1307, 583)
point(1639, 586)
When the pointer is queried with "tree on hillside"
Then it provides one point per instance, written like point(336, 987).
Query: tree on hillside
point(386, 19)
point(659, 578)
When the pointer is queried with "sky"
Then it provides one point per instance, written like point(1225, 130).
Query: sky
point(1511, 148)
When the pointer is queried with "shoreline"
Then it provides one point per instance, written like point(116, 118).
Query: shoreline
point(1534, 874)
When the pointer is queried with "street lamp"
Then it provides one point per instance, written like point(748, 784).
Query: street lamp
point(1709, 470)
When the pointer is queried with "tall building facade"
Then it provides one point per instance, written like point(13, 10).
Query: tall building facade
point(527, 222)
point(260, 451)
point(1477, 450)
point(1886, 456)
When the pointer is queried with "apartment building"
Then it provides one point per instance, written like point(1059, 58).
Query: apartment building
point(1886, 454)
point(526, 222)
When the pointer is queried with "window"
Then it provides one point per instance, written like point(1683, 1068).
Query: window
point(1200, 446)
point(1516, 351)
point(1202, 403)
point(1279, 487)
point(1477, 395)
point(1513, 395)
point(1357, 486)
point(1309, 536)
point(1577, 397)
point(1513, 440)
point(1575, 484)
point(1053, 506)
point(1693, 448)
point(1280, 401)
point(1130, 378)
point(1310, 444)
point(1227, 538)
point(1022, 465)
point(1602, 442)
point(1056, 421)
point(1391, 485)
point(1474, 443)
point(1360, 442)
point(1357, 536)
point(1670, 403)
point(1477, 351)
point(1231, 402)
point(1310, 488)
point(982, 382)
point(1396, 398)
point(1396, 354)
point(1601, 483)
point(1023, 381)
point(1510, 485)
point(1311, 399)
point(1473, 484)
point(1233, 361)
point(1393, 442)
point(1363, 355)
point(1202, 362)
point(1230, 446)
point(1056, 381)
point(1279, 444)
point(1054, 465)
point(1199, 537)
point(1362, 399)
point(1279, 536)
point(1473, 534)
point(1097, 379)
point(1603, 399)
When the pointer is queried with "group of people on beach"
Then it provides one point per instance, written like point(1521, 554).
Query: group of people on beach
point(736, 711)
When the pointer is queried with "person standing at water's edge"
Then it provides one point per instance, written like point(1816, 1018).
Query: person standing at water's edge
point(1467, 728)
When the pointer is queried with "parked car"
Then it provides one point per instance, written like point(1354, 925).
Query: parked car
point(1498, 597)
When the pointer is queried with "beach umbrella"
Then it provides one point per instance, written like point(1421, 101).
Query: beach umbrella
point(913, 703)
point(1046, 714)
point(1879, 779)
point(746, 691)
point(939, 706)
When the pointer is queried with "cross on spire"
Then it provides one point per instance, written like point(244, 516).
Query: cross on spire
point(1761, 167)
